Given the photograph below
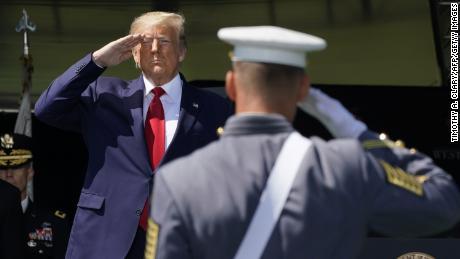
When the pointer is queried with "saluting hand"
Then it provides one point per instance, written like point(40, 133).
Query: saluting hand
point(332, 114)
point(116, 51)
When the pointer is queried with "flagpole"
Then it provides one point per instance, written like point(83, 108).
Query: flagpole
point(23, 124)
point(24, 121)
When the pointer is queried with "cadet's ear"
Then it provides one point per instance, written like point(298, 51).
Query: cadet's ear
point(230, 85)
point(304, 87)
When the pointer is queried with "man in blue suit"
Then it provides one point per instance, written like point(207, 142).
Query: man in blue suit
point(111, 113)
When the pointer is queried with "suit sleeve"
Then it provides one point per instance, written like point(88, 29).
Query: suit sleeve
point(62, 103)
point(411, 196)
point(166, 234)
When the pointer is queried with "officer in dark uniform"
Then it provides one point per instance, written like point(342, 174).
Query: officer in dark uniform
point(46, 232)
point(326, 194)
point(11, 222)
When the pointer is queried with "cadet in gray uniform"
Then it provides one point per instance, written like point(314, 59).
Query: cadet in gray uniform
point(203, 204)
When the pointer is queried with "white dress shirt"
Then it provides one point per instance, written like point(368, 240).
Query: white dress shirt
point(170, 101)
point(25, 204)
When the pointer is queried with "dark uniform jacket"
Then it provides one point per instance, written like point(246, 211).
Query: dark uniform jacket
point(11, 223)
point(47, 233)
point(202, 204)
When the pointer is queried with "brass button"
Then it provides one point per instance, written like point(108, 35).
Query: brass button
point(399, 143)
point(220, 131)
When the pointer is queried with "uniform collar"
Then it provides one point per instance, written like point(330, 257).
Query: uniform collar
point(173, 89)
point(256, 123)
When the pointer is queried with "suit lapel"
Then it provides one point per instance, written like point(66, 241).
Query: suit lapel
point(189, 109)
point(133, 100)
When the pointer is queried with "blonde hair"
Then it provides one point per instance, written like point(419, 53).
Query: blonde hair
point(151, 19)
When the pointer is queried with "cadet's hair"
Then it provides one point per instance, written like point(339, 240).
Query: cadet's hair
point(150, 19)
point(269, 78)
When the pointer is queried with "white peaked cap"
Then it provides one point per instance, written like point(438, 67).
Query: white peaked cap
point(270, 44)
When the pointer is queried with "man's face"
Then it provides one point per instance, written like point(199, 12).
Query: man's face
point(18, 177)
point(160, 53)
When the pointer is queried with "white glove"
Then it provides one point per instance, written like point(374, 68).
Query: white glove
point(331, 113)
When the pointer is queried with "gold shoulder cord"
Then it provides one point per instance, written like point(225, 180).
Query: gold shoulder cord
point(152, 239)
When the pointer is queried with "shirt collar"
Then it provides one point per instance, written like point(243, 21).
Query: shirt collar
point(25, 204)
point(173, 88)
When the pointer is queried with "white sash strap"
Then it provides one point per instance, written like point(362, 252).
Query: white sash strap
point(273, 197)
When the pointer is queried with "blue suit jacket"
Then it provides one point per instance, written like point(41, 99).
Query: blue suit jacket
point(108, 112)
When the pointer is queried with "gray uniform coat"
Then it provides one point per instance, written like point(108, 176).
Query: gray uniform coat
point(203, 203)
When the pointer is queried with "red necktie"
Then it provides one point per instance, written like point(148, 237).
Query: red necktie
point(155, 136)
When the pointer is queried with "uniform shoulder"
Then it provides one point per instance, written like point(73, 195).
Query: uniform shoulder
point(343, 153)
point(8, 189)
point(10, 196)
point(339, 146)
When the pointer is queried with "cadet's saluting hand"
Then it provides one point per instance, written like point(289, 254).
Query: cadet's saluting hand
point(332, 114)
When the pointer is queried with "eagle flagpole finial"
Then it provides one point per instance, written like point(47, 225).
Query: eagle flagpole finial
point(24, 25)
